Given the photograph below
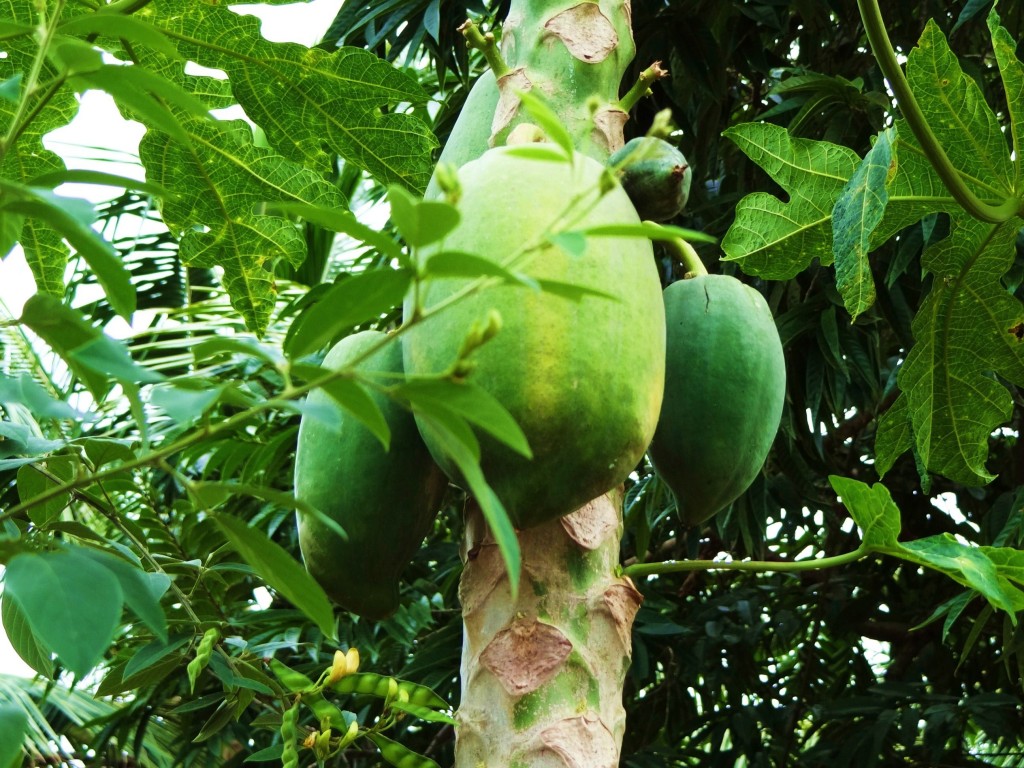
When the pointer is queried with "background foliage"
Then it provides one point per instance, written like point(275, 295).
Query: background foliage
point(191, 420)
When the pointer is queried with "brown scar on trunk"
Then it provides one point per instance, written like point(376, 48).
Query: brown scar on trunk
point(609, 125)
point(526, 655)
point(585, 31)
point(591, 524)
point(582, 742)
point(508, 101)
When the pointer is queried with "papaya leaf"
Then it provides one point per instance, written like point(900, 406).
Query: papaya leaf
point(72, 604)
point(222, 180)
point(312, 103)
point(352, 300)
point(968, 565)
point(280, 570)
point(856, 214)
point(956, 111)
point(893, 436)
point(45, 250)
point(872, 509)
point(777, 240)
point(966, 328)
point(1011, 69)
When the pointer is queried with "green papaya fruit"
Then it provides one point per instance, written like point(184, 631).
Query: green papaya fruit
point(725, 382)
point(655, 175)
point(385, 500)
point(471, 134)
point(583, 379)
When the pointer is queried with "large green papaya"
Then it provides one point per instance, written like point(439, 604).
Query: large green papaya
point(384, 500)
point(584, 378)
point(725, 382)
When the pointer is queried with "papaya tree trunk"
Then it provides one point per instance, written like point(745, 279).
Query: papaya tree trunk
point(542, 675)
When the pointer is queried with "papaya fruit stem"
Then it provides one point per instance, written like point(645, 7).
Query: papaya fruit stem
point(685, 254)
point(881, 47)
point(642, 87)
point(487, 45)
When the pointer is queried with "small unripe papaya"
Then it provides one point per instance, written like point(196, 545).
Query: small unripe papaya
point(385, 500)
point(655, 175)
point(725, 383)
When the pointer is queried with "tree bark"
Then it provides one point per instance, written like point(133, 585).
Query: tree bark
point(542, 675)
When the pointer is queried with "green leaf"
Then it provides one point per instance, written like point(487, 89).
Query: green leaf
point(142, 590)
point(546, 118)
point(224, 182)
point(153, 653)
point(104, 355)
point(1011, 69)
point(72, 604)
point(313, 103)
point(856, 215)
point(400, 755)
point(541, 151)
point(470, 402)
point(872, 509)
point(352, 300)
point(777, 240)
point(13, 727)
point(34, 480)
point(424, 713)
point(84, 176)
point(966, 564)
point(183, 404)
point(353, 398)
point(59, 213)
point(467, 461)
point(280, 570)
point(957, 113)
point(966, 328)
point(24, 642)
point(120, 26)
point(420, 222)
point(462, 264)
point(24, 389)
point(893, 437)
point(268, 755)
point(341, 220)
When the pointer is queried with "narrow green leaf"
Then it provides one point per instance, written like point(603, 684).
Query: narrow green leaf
point(472, 403)
point(354, 399)
point(24, 389)
point(185, 405)
point(280, 570)
point(104, 261)
point(118, 25)
point(462, 264)
point(349, 302)
point(268, 755)
point(541, 151)
point(544, 116)
point(84, 176)
point(72, 604)
point(152, 653)
point(341, 220)
point(13, 727)
point(424, 713)
point(490, 505)
point(420, 222)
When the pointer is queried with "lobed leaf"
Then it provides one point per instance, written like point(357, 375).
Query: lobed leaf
point(777, 240)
